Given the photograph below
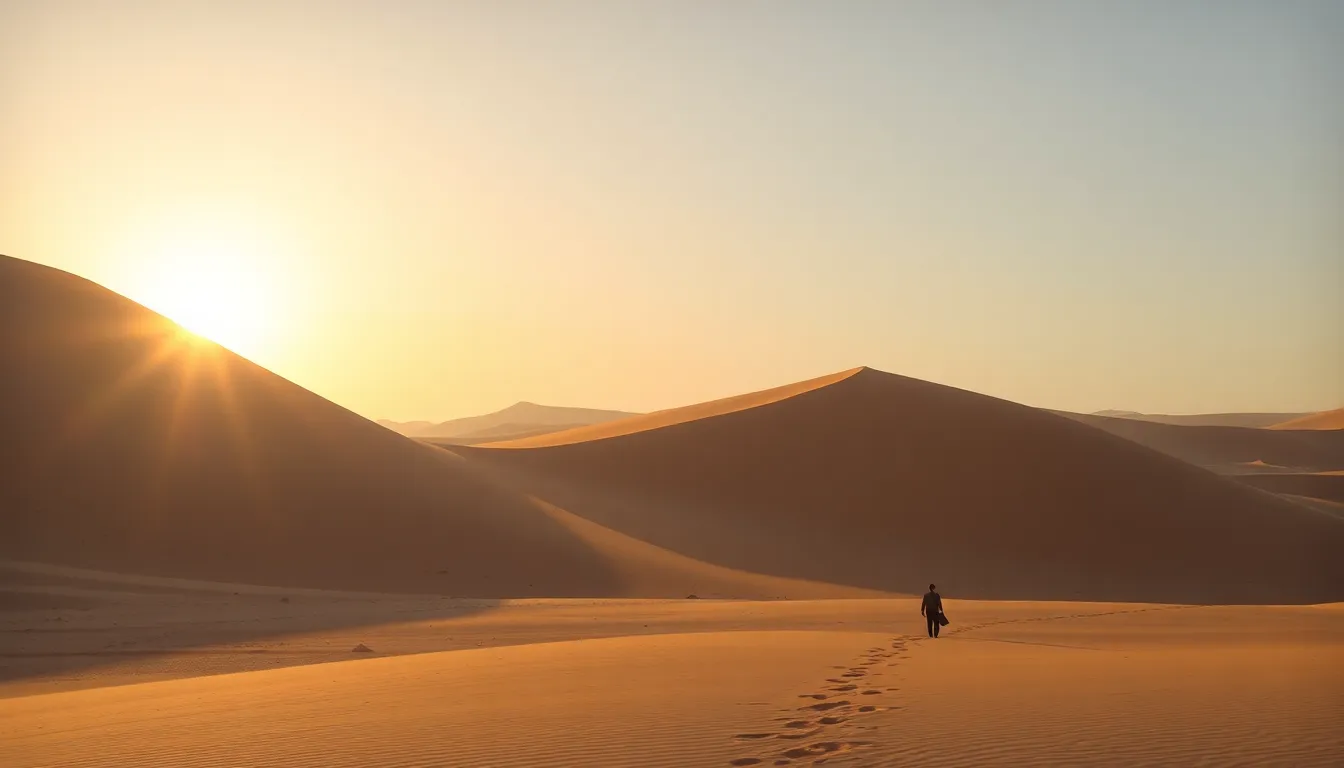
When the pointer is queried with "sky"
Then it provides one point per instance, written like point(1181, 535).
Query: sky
point(424, 210)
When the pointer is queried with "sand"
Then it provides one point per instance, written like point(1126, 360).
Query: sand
point(1328, 486)
point(202, 564)
point(1323, 420)
point(136, 448)
point(1232, 450)
point(147, 451)
point(243, 680)
point(1249, 420)
point(674, 416)
point(511, 421)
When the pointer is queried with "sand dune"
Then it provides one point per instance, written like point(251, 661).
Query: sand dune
point(1327, 486)
point(876, 480)
point(1244, 420)
point(510, 422)
point(133, 447)
point(408, 428)
point(1231, 450)
point(1323, 420)
point(502, 433)
point(673, 416)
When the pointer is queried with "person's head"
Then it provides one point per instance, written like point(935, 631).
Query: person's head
point(930, 587)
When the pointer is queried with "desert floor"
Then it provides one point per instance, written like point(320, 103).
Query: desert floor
point(156, 672)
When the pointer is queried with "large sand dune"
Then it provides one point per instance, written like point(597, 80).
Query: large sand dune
point(131, 446)
point(878, 480)
point(134, 447)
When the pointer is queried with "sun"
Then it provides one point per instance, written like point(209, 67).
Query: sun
point(213, 291)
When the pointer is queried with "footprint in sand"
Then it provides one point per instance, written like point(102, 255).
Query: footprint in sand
point(820, 748)
point(745, 761)
point(871, 692)
point(845, 687)
point(827, 705)
point(867, 708)
point(753, 736)
point(813, 696)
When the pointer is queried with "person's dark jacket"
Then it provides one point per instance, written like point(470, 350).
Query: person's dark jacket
point(932, 605)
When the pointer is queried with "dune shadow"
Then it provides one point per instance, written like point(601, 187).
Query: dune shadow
point(55, 625)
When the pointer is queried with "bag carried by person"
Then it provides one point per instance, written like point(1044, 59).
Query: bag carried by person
point(942, 619)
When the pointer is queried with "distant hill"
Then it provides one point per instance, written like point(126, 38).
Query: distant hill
point(1323, 420)
point(1248, 420)
point(518, 420)
point(407, 428)
point(502, 433)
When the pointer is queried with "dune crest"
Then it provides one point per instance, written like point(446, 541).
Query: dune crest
point(1245, 420)
point(1323, 420)
point(674, 416)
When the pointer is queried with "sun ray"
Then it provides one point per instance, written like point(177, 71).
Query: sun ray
point(240, 429)
point(98, 406)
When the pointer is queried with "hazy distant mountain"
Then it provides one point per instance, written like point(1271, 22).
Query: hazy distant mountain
point(1250, 420)
point(518, 418)
point(408, 428)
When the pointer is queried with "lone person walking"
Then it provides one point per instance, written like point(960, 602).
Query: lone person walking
point(932, 609)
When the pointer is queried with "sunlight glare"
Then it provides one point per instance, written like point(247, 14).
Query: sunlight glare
point(213, 290)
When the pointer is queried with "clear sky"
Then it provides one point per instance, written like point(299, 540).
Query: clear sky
point(432, 209)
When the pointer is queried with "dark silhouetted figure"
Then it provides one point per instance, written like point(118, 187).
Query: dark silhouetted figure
point(931, 609)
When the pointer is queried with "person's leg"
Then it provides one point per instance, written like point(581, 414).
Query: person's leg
point(936, 626)
point(933, 625)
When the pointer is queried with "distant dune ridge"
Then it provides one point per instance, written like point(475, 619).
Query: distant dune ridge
point(1323, 420)
point(1247, 420)
point(1327, 486)
point(130, 447)
point(1231, 450)
point(517, 419)
point(408, 428)
point(502, 433)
